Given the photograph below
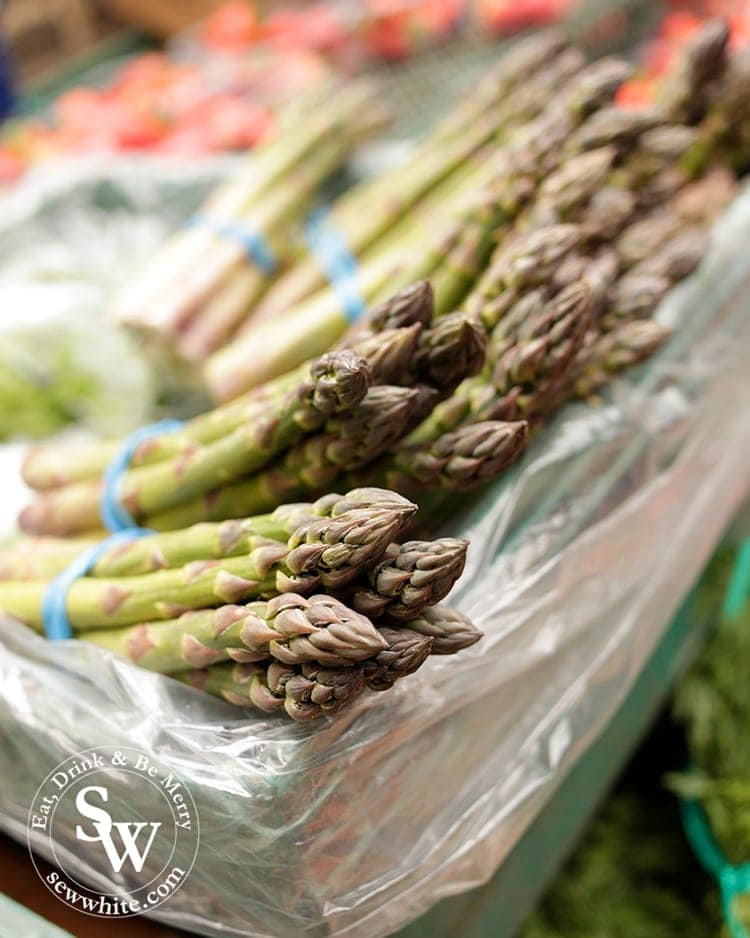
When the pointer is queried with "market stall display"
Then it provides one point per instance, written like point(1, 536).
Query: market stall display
point(531, 258)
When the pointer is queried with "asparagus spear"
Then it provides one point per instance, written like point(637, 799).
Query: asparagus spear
point(349, 520)
point(287, 627)
point(520, 264)
point(406, 652)
point(414, 304)
point(449, 630)
point(313, 465)
point(686, 91)
point(305, 692)
point(410, 577)
point(624, 346)
point(308, 558)
point(158, 487)
point(530, 350)
point(461, 459)
point(334, 383)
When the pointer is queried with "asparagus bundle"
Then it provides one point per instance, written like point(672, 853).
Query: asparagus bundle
point(308, 690)
point(320, 550)
point(197, 482)
point(196, 289)
point(457, 242)
point(239, 592)
point(340, 383)
point(510, 94)
point(352, 519)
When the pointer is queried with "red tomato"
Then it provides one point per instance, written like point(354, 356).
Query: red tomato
point(659, 56)
point(438, 17)
point(235, 124)
point(679, 26)
point(78, 107)
point(233, 26)
point(390, 40)
point(11, 165)
point(636, 93)
point(512, 15)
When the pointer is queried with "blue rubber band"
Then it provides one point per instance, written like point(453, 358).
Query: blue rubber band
point(114, 516)
point(54, 613)
point(252, 241)
point(337, 262)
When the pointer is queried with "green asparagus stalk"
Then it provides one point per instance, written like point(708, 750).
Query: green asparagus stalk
point(334, 383)
point(625, 345)
point(198, 469)
point(305, 692)
point(307, 559)
point(407, 651)
point(410, 577)
point(310, 467)
point(351, 519)
point(366, 212)
point(287, 627)
point(449, 630)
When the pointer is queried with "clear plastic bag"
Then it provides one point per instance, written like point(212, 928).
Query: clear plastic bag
point(579, 558)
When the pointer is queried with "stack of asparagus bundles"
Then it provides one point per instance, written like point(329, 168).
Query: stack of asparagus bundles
point(192, 296)
point(615, 210)
point(445, 235)
point(301, 609)
point(288, 439)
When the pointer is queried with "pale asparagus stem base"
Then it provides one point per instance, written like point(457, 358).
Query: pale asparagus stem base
point(327, 551)
point(239, 286)
point(288, 627)
point(170, 291)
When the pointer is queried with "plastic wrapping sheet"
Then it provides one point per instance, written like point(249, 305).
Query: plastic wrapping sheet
point(579, 558)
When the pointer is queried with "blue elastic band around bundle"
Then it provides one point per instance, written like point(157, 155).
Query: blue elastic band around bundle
point(329, 247)
point(250, 239)
point(732, 880)
point(54, 613)
point(114, 516)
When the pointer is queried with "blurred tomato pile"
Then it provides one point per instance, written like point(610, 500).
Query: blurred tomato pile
point(676, 28)
point(161, 105)
point(345, 33)
point(386, 29)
